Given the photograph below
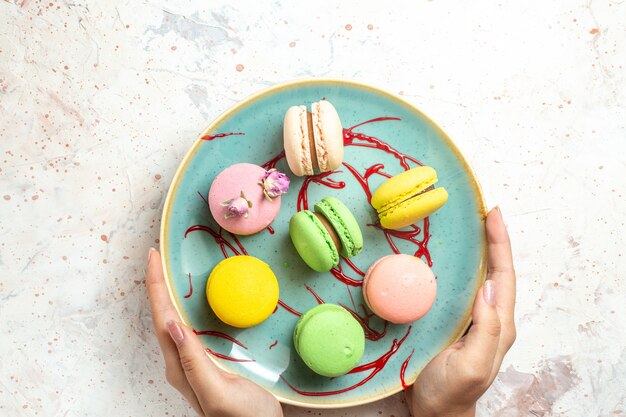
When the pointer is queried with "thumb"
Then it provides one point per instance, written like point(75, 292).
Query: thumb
point(481, 343)
point(201, 373)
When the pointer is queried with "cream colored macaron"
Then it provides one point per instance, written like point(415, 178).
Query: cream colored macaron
point(313, 140)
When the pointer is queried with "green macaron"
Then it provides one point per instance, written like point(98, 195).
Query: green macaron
point(320, 237)
point(344, 224)
point(329, 340)
point(313, 241)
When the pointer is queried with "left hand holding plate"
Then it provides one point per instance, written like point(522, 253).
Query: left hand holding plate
point(211, 391)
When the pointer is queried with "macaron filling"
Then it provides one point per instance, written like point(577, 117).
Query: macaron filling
point(419, 190)
point(331, 231)
point(344, 224)
point(311, 138)
point(305, 141)
point(327, 236)
point(318, 151)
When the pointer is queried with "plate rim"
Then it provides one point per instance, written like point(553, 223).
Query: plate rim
point(474, 183)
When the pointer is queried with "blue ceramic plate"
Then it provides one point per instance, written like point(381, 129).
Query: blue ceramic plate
point(384, 136)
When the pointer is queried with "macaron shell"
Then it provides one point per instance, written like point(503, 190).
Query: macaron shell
point(242, 291)
point(329, 340)
point(328, 135)
point(344, 223)
point(402, 186)
point(229, 184)
point(296, 141)
point(312, 241)
point(400, 288)
point(413, 209)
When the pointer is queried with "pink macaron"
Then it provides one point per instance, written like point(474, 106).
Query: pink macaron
point(399, 288)
point(245, 198)
point(313, 140)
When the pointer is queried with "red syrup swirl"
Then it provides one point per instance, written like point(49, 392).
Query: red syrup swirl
point(409, 236)
point(220, 335)
point(219, 239)
point(226, 357)
point(223, 336)
point(322, 179)
point(272, 162)
point(289, 309)
point(403, 370)
point(221, 135)
point(350, 138)
point(376, 366)
point(338, 273)
point(317, 297)
point(363, 180)
point(370, 334)
point(354, 267)
point(190, 286)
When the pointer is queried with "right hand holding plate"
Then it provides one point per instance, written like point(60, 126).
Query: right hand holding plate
point(453, 381)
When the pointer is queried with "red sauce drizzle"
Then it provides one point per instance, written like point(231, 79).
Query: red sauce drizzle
point(376, 367)
point(363, 180)
point(289, 309)
point(349, 138)
point(204, 199)
point(228, 358)
point(409, 236)
point(272, 162)
point(221, 135)
point(354, 267)
point(302, 203)
point(270, 229)
point(220, 335)
point(219, 239)
point(273, 344)
point(243, 250)
point(317, 297)
point(190, 286)
point(364, 321)
point(337, 272)
point(403, 370)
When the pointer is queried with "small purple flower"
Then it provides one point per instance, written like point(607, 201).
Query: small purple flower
point(274, 184)
point(237, 207)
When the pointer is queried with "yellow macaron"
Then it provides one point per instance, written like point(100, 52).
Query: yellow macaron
point(408, 197)
point(242, 291)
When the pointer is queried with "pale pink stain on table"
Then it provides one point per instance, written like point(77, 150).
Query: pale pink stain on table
point(535, 394)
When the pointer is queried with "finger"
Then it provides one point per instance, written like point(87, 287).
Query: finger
point(202, 374)
point(502, 272)
point(500, 265)
point(162, 312)
point(479, 349)
point(161, 306)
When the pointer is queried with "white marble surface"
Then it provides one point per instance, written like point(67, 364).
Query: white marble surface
point(100, 100)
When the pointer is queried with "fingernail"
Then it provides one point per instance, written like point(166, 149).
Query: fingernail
point(150, 252)
point(499, 210)
point(489, 292)
point(176, 333)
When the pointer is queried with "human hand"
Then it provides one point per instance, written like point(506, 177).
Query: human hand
point(453, 381)
point(211, 391)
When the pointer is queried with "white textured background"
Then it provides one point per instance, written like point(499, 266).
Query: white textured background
point(100, 100)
